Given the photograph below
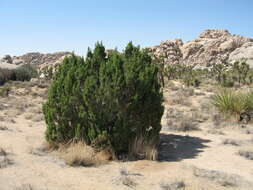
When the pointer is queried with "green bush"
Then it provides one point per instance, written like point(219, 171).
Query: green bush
point(105, 99)
point(4, 91)
point(6, 75)
point(22, 73)
point(25, 73)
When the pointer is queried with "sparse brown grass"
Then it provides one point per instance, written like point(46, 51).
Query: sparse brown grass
point(24, 187)
point(141, 149)
point(27, 187)
point(175, 185)
point(3, 128)
point(231, 142)
point(215, 132)
point(28, 116)
point(249, 131)
point(79, 154)
point(181, 97)
point(125, 178)
point(179, 121)
point(4, 91)
point(246, 154)
point(4, 160)
point(221, 178)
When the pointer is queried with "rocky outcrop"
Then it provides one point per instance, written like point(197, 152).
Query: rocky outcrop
point(41, 60)
point(211, 47)
point(38, 58)
point(243, 52)
point(6, 59)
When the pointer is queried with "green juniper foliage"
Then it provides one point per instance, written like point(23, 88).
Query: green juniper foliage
point(105, 99)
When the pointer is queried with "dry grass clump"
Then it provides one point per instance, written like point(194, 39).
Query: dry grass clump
point(223, 179)
point(180, 100)
point(231, 142)
point(171, 85)
point(181, 96)
point(141, 149)
point(4, 91)
point(28, 116)
point(24, 187)
point(125, 178)
point(218, 119)
point(246, 154)
point(3, 128)
point(215, 132)
point(27, 187)
point(200, 93)
point(4, 160)
point(49, 146)
point(249, 131)
point(188, 91)
point(79, 154)
point(36, 151)
point(176, 185)
point(179, 121)
point(37, 118)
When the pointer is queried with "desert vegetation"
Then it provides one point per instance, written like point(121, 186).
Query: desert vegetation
point(106, 101)
point(22, 73)
point(223, 74)
point(98, 121)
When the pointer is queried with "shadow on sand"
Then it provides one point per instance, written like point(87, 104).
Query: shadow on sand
point(177, 147)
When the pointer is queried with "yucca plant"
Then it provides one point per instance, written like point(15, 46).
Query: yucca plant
point(229, 102)
point(249, 101)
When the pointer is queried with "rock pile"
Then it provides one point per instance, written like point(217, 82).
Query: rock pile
point(211, 47)
point(41, 60)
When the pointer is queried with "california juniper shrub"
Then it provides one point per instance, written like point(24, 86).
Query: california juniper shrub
point(105, 99)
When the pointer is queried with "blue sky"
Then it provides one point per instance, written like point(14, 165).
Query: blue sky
point(74, 25)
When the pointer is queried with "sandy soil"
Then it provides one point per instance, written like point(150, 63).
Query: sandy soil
point(189, 156)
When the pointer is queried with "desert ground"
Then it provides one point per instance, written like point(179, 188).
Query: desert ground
point(199, 149)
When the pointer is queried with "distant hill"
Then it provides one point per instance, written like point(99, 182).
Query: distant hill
point(210, 47)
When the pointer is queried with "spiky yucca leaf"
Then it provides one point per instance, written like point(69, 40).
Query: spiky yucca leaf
point(229, 102)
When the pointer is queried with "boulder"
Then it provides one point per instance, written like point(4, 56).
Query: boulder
point(245, 52)
point(6, 59)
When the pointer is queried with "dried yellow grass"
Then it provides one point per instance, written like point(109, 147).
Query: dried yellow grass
point(79, 154)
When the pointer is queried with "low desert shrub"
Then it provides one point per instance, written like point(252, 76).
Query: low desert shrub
point(4, 160)
point(231, 142)
point(27, 187)
point(176, 185)
point(25, 73)
point(125, 178)
point(22, 73)
point(224, 179)
point(4, 91)
point(105, 100)
point(180, 121)
point(246, 154)
point(24, 187)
